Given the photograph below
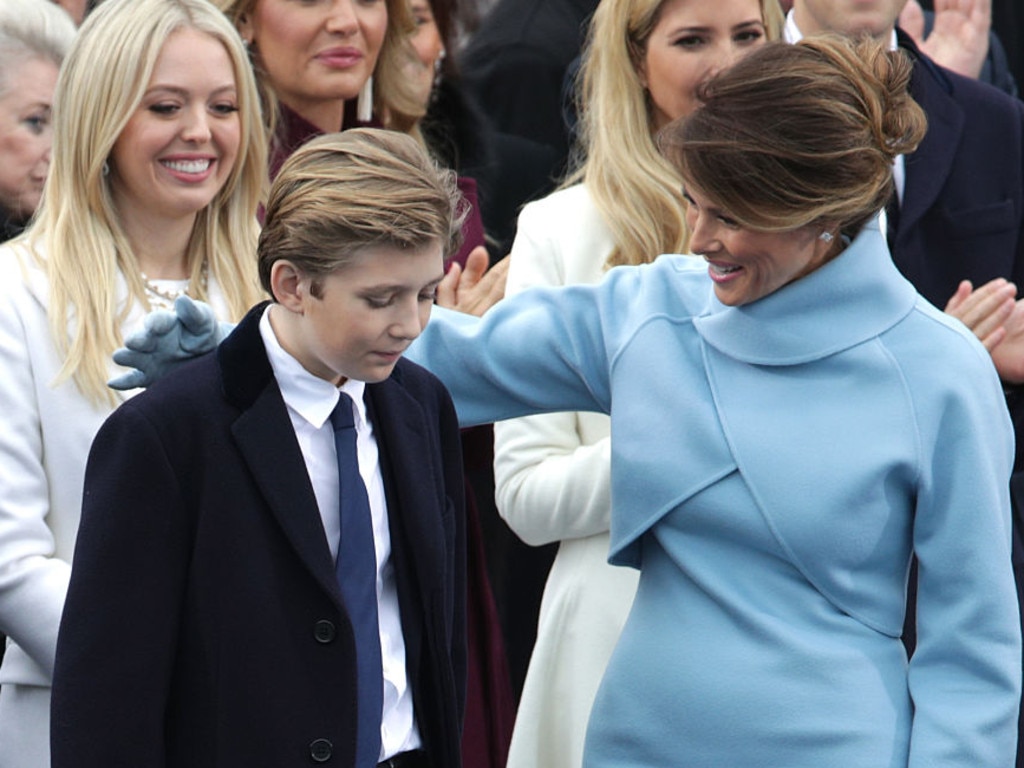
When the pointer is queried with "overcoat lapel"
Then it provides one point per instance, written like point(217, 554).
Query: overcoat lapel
point(267, 443)
point(411, 483)
point(928, 168)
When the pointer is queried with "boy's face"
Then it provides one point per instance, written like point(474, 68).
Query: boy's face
point(368, 312)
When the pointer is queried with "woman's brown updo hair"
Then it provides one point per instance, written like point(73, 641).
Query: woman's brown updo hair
point(800, 134)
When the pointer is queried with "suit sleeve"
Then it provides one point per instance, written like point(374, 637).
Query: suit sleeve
point(117, 642)
point(965, 674)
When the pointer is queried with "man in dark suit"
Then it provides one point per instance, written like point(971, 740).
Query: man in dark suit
point(207, 620)
point(959, 212)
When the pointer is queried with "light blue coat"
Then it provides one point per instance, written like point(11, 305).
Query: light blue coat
point(862, 424)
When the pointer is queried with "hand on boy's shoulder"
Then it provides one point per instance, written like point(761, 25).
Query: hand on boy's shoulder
point(166, 340)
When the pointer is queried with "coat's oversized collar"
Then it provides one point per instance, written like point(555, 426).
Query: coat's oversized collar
point(854, 295)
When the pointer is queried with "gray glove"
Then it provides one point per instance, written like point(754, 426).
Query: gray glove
point(166, 340)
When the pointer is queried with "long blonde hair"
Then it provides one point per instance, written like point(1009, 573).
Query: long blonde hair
point(636, 190)
point(394, 96)
point(78, 237)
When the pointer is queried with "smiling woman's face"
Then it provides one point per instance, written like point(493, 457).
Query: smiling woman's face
point(180, 145)
point(746, 265)
point(692, 40)
point(318, 53)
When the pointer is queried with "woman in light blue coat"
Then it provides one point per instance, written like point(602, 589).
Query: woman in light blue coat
point(788, 427)
point(785, 436)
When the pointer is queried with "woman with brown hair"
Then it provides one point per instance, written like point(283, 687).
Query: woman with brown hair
point(642, 66)
point(326, 66)
point(789, 426)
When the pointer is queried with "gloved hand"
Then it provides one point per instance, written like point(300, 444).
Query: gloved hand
point(166, 340)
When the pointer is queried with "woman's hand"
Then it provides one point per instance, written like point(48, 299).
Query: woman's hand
point(166, 340)
point(984, 310)
point(960, 36)
point(998, 322)
point(476, 288)
point(1008, 356)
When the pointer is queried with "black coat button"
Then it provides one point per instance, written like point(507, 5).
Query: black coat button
point(321, 750)
point(324, 631)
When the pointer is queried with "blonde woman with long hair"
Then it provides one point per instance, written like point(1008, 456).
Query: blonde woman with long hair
point(158, 166)
point(623, 205)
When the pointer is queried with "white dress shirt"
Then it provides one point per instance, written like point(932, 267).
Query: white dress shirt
point(310, 401)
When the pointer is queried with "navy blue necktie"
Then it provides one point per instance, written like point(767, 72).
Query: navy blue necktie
point(357, 575)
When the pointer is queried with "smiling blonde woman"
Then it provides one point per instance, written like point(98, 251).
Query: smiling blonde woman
point(158, 163)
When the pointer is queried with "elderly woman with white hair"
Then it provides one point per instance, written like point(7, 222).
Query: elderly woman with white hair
point(34, 39)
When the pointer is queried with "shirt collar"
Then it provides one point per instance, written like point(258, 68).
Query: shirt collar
point(853, 298)
point(309, 396)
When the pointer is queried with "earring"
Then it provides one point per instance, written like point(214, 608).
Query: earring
point(364, 104)
point(438, 74)
point(106, 168)
point(826, 237)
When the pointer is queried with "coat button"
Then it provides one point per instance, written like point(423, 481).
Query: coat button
point(324, 631)
point(321, 750)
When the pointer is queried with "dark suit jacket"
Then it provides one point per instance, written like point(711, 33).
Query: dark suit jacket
point(962, 215)
point(204, 625)
point(515, 62)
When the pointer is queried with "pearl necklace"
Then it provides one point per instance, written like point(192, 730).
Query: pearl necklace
point(164, 298)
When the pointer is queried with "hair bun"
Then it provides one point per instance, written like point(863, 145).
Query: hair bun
point(795, 134)
point(899, 122)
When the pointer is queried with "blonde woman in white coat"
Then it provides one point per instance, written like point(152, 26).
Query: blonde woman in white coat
point(623, 206)
point(157, 169)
